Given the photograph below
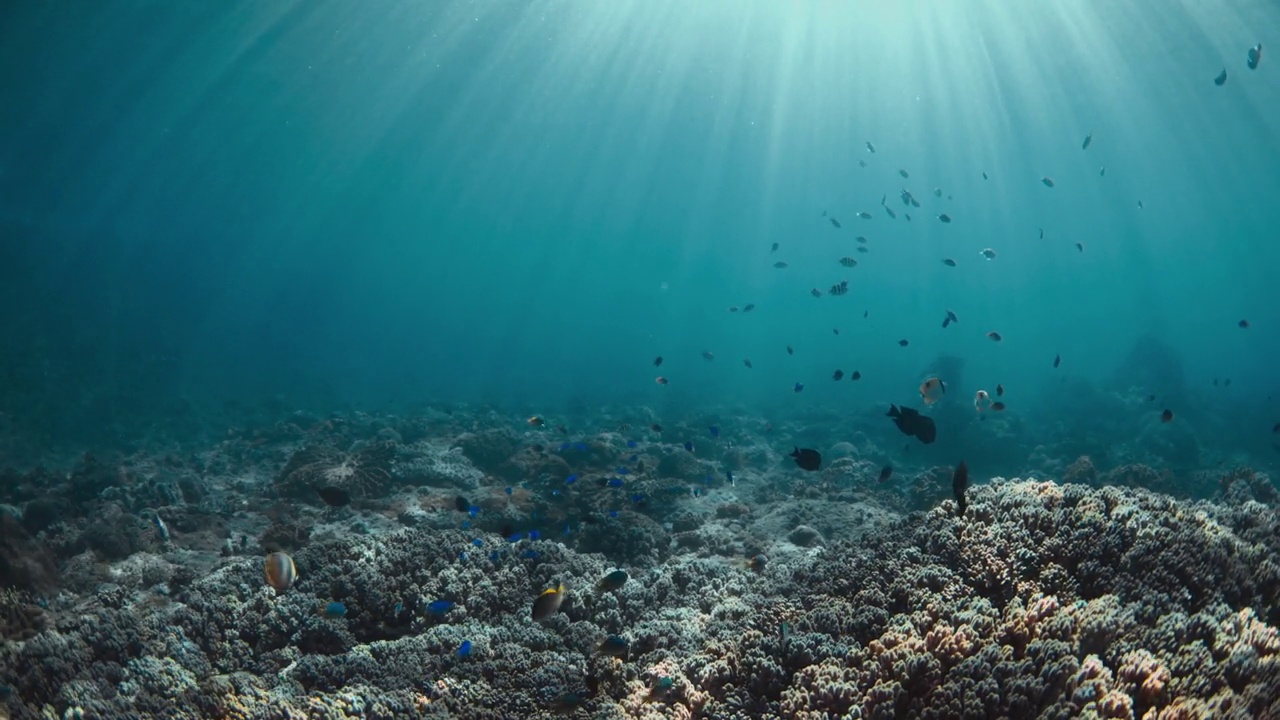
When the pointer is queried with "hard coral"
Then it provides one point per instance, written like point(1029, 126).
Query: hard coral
point(363, 471)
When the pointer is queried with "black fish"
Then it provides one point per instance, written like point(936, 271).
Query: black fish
point(840, 288)
point(1221, 79)
point(950, 318)
point(807, 459)
point(1255, 56)
point(748, 307)
point(461, 504)
point(960, 481)
point(790, 351)
point(1087, 139)
point(904, 342)
point(944, 218)
point(856, 375)
point(948, 262)
point(837, 375)
point(657, 361)
point(747, 362)
point(334, 496)
point(835, 222)
point(773, 248)
point(1057, 360)
point(912, 423)
point(886, 472)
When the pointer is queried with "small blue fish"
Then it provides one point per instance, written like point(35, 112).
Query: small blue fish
point(399, 608)
point(622, 470)
point(334, 610)
point(615, 482)
point(439, 607)
point(571, 479)
point(161, 529)
point(464, 649)
point(494, 556)
point(466, 524)
point(696, 491)
point(462, 555)
point(632, 443)
point(637, 498)
point(688, 446)
point(567, 530)
point(581, 446)
point(715, 431)
point(473, 511)
point(730, 474)
point(529, 554)
point(708, 479)
point(565, 446)
point(799, 387)
point(478, 542)
point(613, 513)
point(513, 538)
point(556, 492)
point(633, 458)
point(534, 534)
point(508, 490)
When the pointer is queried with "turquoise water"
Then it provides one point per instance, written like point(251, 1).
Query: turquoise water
point(383, 205)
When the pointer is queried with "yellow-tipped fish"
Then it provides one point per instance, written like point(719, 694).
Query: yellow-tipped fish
point(548, 603)
point(280, 571)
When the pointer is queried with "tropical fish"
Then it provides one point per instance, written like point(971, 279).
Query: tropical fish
point(1221, 79)
point(950, 318)
point(612, 581)
point(840, 288)
point(333, 610)
point(1244, 324)
point(855, 375)
point(161, 529)
point(1048, 181)
point(932, 390)
point(439, 607)
point(995, 336)
point(790, 351)
point(747, 362)
point(758, 562)
point(904, 173)
point(960, 481)
point(1057, 360)
point(997, 406)
point(799, 387)
point(835, 222)
point(280, 571)
point(816, 292)
point(733, 308)
point(864, 215)
point(615, 646)
point(999, 390)
point(1255, 57)
point(948, 262)
point(1087, 139)
point(660, 380)
point(988, 253)
point(464, 649)
point(848, 261)
point(870, 148)
point(837, 375)
point(892, 215)
point(708, 355)
point(657, 361)
point(981, 400)
point(862, 249)
point(886, 472)
point(536, 421)
point(748, 307)
point(912, 423)
point(548, 602)
point(1166, 416)
point(1080, 247)
point(780, 265)
point(904, 342)
point(944, 218)
point(773, 248)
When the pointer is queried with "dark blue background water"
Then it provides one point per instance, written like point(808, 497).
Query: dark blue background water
point(336, 203)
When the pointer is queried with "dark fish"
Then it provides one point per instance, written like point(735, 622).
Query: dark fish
point(861, 239)
point(999, 390)
point(548, 603)
point(1057, 360)
point(798, 387)
point(1166, 416)
point(960, 481)
point(984, 174)
point(1243, 323)
point(334, 496)
point(461, 504)
point(892, 215)
point(912, 423)
point(950, 318)
point(1041, 233)
point(733, 308)
point(1087, 139)
point(944, 218)
point(780, 265)
point(906, 197)
point(1221, 79)
point(997, 406)
point(807, 459)
point(855, 375)
point(904, 342)
point(656, 427)
point(773, 248)
point(657, 361)
point(864, 215)
point(870, 148)
point(748, 307)
point(747, 362)
point(840, 288)
point(862, 249)
point(1048, 181)
point(1255, 56)
point(1140, 205)
point(615, 646)
point(886, 472)
point(848, 261)
point(815, 292)
point(790, 351)
point(907, 216)
point(758, 562)
point(688, 445)
point(613, 581)
point(904, 173)
point(708, 355)
point(995, 336)
point(835, 331)
point(836, 222)
point(948, 262)
point(837, 375)
point(1102, 171)
point(1080, 247)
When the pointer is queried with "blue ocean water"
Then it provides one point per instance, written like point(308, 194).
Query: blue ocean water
point(332, 205)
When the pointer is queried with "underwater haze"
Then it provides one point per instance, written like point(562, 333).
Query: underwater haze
point(522, 203)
